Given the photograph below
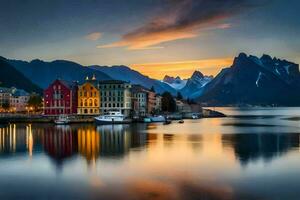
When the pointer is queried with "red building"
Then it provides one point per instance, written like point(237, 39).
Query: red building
point(60, 98)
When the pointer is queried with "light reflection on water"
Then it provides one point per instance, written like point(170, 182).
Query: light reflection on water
point(253, 154)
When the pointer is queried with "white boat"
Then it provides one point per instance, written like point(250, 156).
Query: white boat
point(195, 116)
point(112, 117)
point(62, 119)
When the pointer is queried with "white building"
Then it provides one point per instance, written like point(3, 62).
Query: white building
point(5, 94)
point(19, 100)
point(115, 95)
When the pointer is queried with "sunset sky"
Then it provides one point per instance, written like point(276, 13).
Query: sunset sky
point(155, 37)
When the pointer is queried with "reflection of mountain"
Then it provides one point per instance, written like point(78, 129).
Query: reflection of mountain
point(250, 147)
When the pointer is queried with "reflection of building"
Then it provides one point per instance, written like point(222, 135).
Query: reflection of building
point(59, 142)
point(60, 98)
point(249, 147)
point(88, 143)
point(89, 98)
point(115, 95)
point(17, 141)
point(115, 140)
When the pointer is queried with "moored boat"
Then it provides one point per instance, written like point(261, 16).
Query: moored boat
point(112, 117)
point(159, 118)
point(62, 119)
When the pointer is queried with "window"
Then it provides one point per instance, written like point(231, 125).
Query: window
point(85, 102)
point(95, 102)
point(90, 102)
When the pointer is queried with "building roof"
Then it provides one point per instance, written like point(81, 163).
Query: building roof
point(113, 82)
point(139, 88)
point(19, 92)
point(5, 90)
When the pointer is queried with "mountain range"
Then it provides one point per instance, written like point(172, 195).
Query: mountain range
point(43, 73)
point(249, 81)
point(190, 88)
point(255, 81)
point(11, 77)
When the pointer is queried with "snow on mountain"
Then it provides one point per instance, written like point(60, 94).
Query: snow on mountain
point(254, 81)
point(195, 85)
point(176, 83)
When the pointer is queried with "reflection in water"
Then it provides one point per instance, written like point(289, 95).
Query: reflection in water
point(250, 147)
point(89, 143)
point(15, 141)
point(60, 143)
point(203, 158)
point(63, 142)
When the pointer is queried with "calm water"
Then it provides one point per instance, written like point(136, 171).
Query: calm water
point(253, 154)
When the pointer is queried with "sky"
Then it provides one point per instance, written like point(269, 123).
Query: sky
point(155, 37)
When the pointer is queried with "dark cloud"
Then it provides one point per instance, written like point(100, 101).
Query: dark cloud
point(182, 19)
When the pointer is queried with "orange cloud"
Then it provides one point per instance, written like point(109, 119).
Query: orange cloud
point(147, 41)
point(181, 20)
point(184, 69)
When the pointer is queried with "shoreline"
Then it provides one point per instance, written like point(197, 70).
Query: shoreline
point(75, 119)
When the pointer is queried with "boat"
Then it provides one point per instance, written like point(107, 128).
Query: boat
point(62, 119)
point(195, 116)
point(159, 118)
point(147, 120)
point(167, 122)
point(112, 117)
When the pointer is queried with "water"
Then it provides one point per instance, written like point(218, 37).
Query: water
point(252, 154)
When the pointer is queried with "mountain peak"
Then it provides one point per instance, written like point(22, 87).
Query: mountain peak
point(197, 74)
point(266, 58)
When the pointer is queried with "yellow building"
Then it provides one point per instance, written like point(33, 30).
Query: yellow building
point(89, 97)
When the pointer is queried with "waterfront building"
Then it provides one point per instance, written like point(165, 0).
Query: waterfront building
point(158, 103)
point(139, 100)
point(18, 100)
point(151, 101)
point(60, 98)
point(89, 97)
point(5, 94)
point(115, 95)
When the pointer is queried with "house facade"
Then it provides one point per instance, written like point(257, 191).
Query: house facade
point(61, 98)
point(151, 101)
point(115, 95)
point(158, 103)
point(139, 101)
point(19, 100)
point(89, 98)
point(5, 94)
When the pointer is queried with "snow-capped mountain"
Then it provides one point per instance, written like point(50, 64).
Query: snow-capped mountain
point(176, 83)
point(195, 84)
point(255, 81)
